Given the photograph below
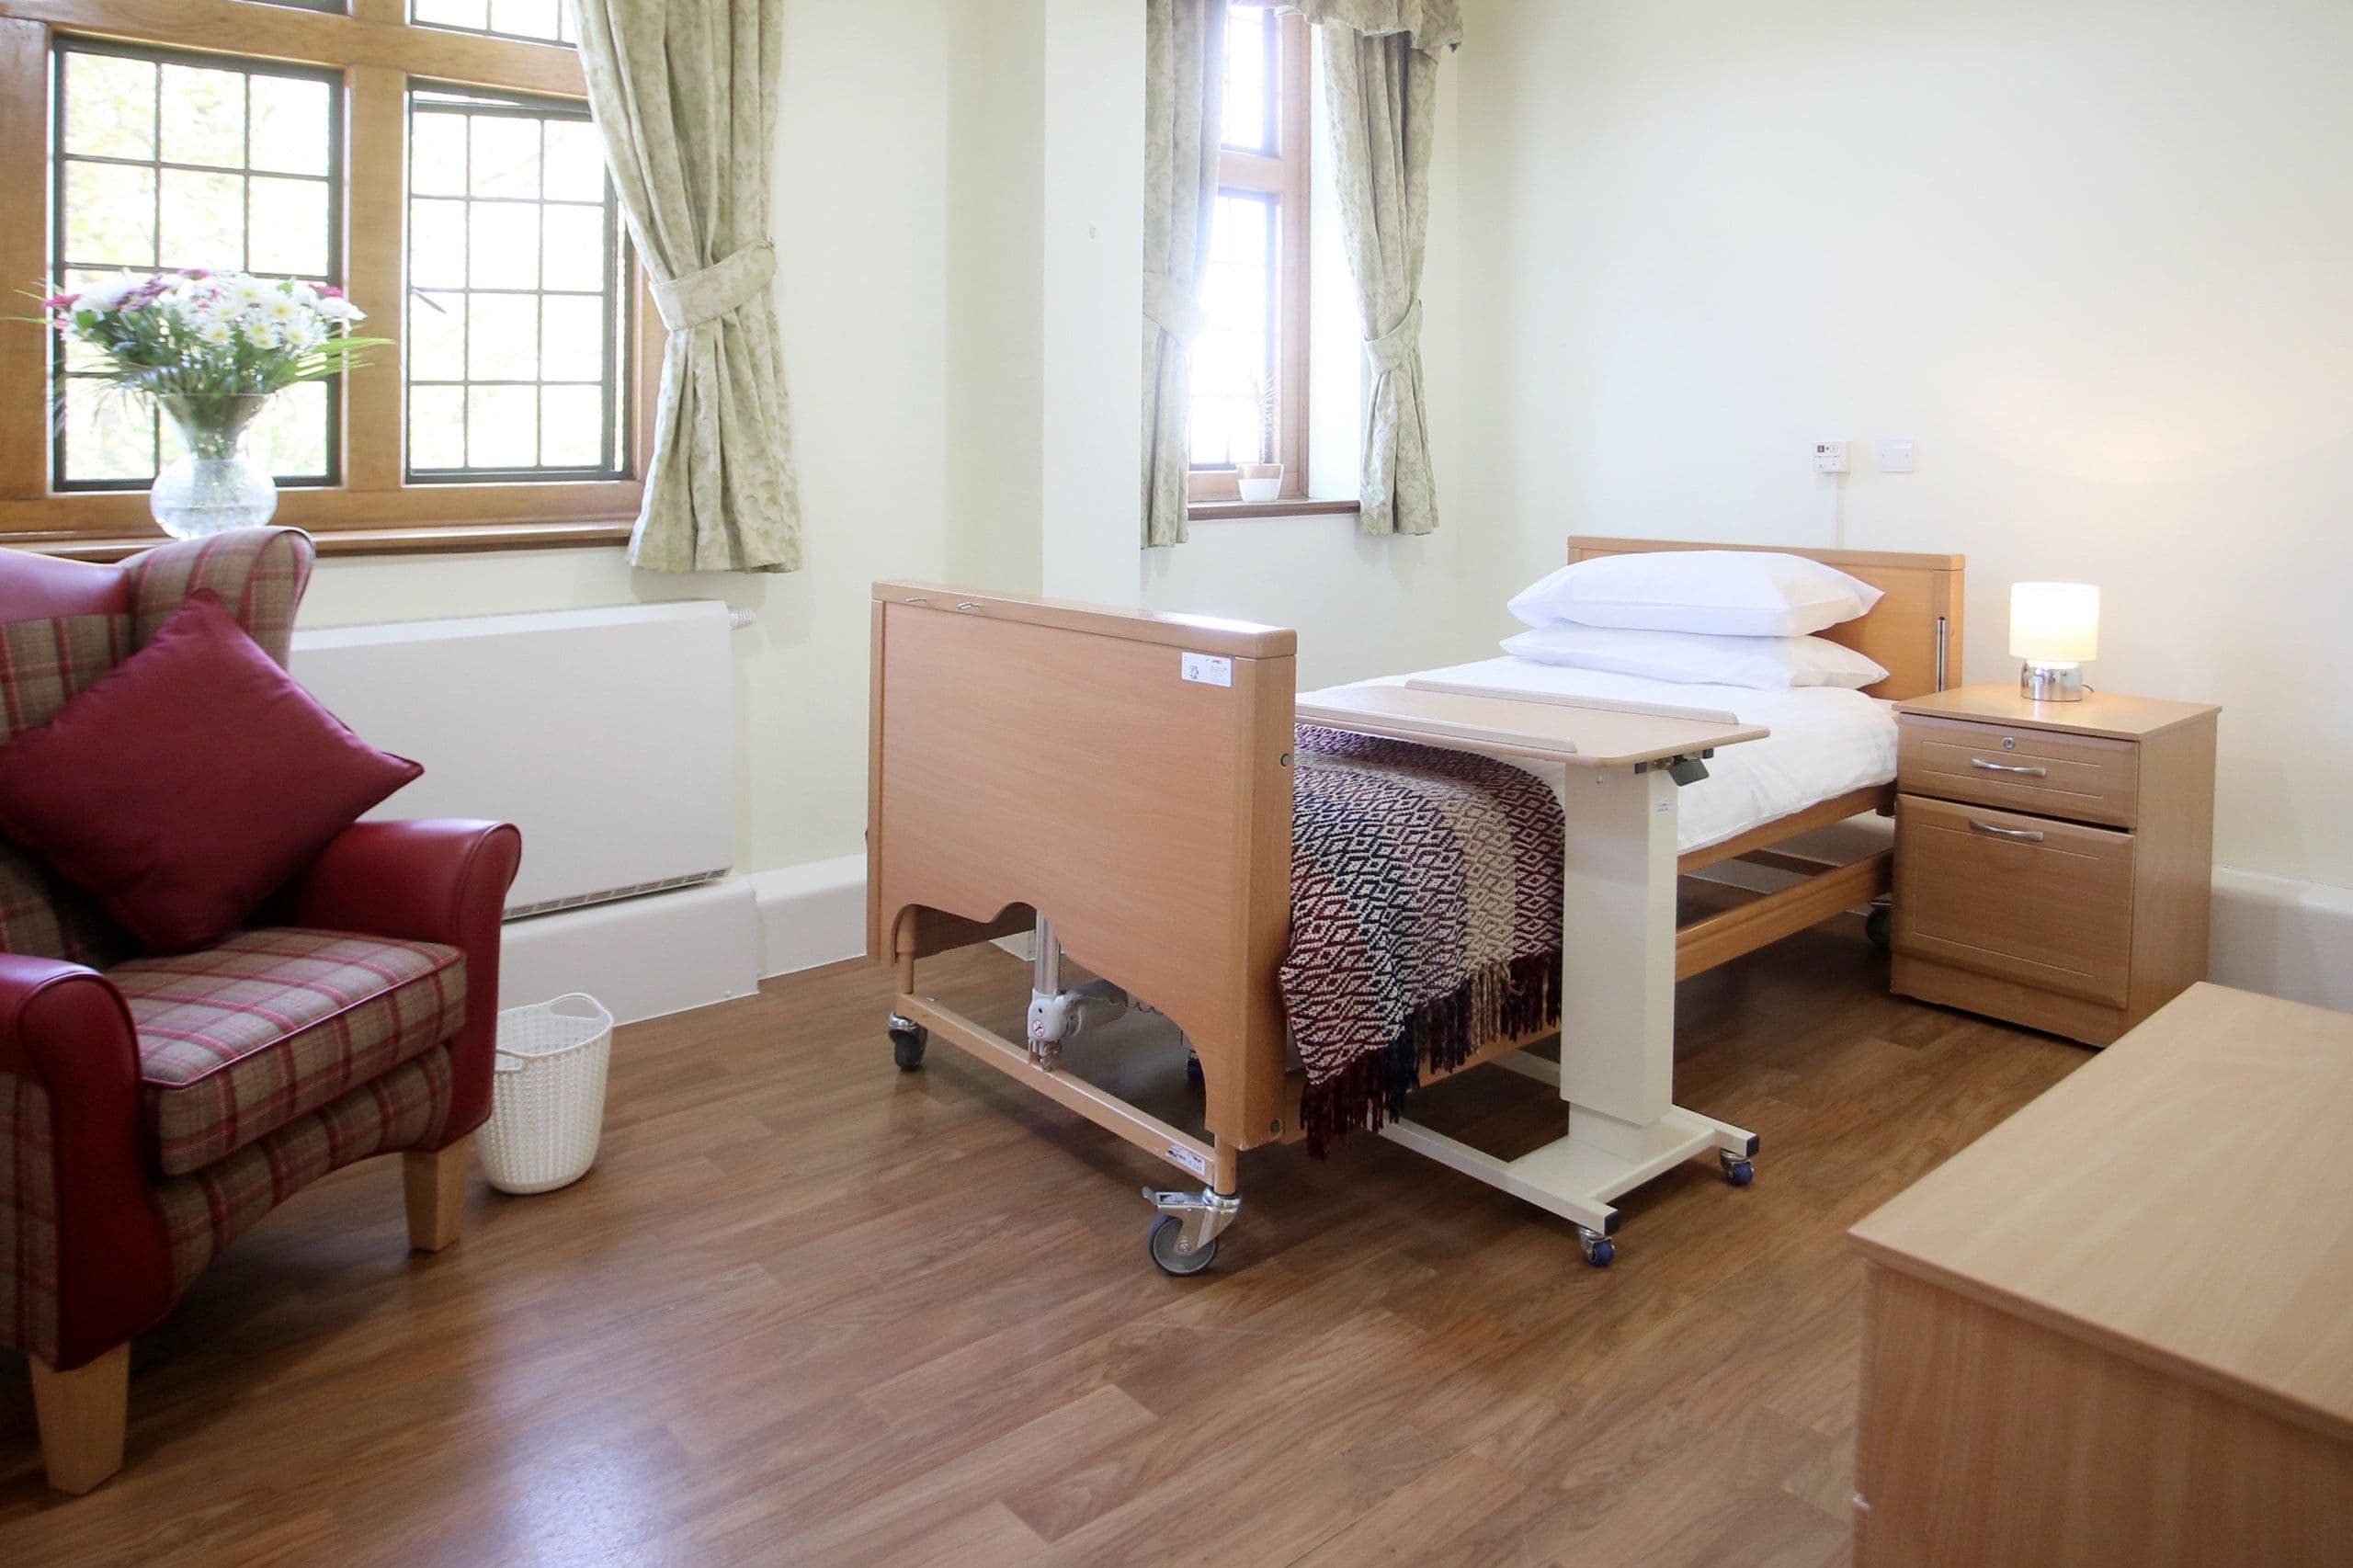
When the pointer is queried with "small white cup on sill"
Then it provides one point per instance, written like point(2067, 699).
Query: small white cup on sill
point(1259, 482)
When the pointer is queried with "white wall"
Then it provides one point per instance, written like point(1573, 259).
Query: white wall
point(862, 228)
point(2090, 254)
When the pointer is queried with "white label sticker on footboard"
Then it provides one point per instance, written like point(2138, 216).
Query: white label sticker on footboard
point(1189, 1160)
point(1209, 669)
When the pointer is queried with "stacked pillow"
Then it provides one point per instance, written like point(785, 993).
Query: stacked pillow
point(1708, 617)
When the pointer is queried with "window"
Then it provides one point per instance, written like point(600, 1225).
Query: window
point(1249, 363)
point(331, 140)
point(167, 160)
point(514, 248)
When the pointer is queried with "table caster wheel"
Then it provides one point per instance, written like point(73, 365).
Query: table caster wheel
point(1599, 1250)
point(1162, 1241)
point(907, 1046)
point(1193, 1071)
point(1878, 926)
point(1737, 1171)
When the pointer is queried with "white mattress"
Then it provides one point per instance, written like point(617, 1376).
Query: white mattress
point(1824, 741)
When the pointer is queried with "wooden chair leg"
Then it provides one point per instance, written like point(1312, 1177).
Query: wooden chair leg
point(435, 1187)
point(80, 1414)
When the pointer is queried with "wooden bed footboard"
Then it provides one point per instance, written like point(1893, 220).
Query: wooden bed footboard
point(1125, 775)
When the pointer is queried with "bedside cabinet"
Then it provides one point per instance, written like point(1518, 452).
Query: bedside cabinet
point(2054, 860)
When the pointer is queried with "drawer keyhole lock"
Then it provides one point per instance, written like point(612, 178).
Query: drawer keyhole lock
point(2009, 743)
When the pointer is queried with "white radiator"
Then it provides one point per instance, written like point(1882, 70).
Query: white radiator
point(606, 736)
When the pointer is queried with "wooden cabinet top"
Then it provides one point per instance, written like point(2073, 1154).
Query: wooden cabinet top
point(2185, 1199)
point(2098, 714)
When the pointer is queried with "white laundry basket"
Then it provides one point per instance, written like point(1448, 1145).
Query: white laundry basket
point(547, 1105)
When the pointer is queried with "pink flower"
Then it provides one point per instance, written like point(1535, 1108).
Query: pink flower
point(329, 291)
point(60, 302)
point(196, 272)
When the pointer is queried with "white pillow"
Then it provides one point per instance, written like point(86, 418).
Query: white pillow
point(1766, 663)
point(1725, 593)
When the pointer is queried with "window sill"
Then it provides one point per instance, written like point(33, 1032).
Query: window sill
point(454, 539)
point(1289, 507)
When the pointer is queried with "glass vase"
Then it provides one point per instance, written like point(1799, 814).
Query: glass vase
point(215, 487)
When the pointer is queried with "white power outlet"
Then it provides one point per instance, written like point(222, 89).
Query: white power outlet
point(1896, 457)
point(1830, 457)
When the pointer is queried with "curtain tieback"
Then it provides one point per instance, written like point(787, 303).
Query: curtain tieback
point(706, 296)
point(1172, 308)
point(1396, 349)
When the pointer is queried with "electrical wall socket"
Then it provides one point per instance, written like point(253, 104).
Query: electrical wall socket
point(1896, 457)
point(1830, 457)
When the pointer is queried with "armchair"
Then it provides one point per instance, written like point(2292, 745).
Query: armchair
point(152, 1107)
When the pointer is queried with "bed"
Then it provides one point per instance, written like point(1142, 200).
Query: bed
point(1120, 784)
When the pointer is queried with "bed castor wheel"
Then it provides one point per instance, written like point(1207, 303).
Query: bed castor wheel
point(1167, 1235)
point(907, 1040)
point(1738, 1170)
point(1193, 1071)
point(1880, 925)
point(1598, 1249)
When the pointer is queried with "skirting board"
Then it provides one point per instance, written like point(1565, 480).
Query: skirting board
point(810, 914)
point(641, 957)
point(666, 953)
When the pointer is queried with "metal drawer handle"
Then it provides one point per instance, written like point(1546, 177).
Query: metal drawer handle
point(2009, 768)
point(2023, 834)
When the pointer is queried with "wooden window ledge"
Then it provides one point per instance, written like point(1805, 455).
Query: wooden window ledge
point(1287, 506)
point(582, 534)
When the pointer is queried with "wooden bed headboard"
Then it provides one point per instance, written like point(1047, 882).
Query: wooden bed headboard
point(1913, 631)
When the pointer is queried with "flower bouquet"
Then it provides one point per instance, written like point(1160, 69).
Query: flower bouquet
point(211, 349)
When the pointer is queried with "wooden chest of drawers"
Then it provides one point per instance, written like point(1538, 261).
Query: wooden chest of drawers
point(2054, 860)
point(2112, 1333)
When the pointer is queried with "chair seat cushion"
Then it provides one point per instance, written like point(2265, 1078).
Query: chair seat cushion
point(242, 1038)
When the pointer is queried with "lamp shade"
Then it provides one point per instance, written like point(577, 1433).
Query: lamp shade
point(2055, 623)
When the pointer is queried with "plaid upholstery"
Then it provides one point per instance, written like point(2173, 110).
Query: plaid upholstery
point(405, 1108)
point(43, 664)
point(259, 575)
point(239, 1039)
point(28, 1219)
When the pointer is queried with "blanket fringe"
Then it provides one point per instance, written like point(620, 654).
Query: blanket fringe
point(1501, 1001)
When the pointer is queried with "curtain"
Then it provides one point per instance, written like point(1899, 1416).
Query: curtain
point(1380, 81)
point(1184, 78)
point(685, 93)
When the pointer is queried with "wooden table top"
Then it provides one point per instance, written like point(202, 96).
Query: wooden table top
point(2185, 1199)
point(2112, 714)
point(1589, 734)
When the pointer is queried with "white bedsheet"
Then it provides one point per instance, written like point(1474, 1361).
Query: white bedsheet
point(1824, 741)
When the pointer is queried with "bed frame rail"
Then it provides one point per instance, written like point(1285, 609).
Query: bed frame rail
point(1125, 775)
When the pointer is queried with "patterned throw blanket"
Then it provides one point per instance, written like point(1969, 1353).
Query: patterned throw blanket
point(1426, 918)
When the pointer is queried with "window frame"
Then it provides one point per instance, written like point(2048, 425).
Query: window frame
point(378, 53)
point(1282, 175)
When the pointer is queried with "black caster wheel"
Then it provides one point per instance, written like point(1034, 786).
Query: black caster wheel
point(1600, 1251)
point(1193, 1071)
point(1739, 1172)
point(906, 1048)
point(1162, 1241)
point(1878, 926)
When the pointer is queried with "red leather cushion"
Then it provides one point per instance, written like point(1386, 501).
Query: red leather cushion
point(189, 783)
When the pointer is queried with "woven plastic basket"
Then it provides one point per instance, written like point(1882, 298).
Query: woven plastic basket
point(547, 1107)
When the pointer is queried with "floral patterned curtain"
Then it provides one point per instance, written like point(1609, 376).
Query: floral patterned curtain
point(685, 93)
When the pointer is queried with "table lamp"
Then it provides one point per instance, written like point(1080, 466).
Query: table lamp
point(2054, 627)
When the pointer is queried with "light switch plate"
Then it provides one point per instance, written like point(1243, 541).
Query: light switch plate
point(1896, 457)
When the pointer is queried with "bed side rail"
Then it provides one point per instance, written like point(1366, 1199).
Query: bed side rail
point(1125, 775)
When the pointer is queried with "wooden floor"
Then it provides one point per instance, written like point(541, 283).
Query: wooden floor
point(809, 1310)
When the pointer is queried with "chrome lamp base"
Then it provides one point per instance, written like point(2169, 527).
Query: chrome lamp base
point(2052, 683)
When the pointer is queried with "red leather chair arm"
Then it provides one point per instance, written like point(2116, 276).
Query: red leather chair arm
point(424, 880)
point(64, 1029)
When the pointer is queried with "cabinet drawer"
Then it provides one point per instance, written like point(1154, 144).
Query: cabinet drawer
point(2046, 903)
point(2086, 777)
